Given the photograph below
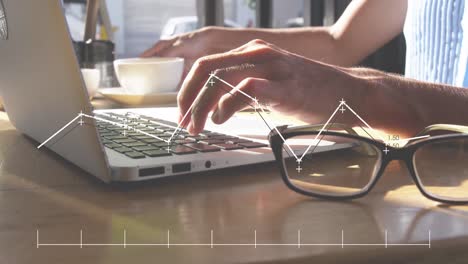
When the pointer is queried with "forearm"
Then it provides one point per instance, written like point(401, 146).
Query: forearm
point(312, 42)
point(364, 27)
point(405, 106)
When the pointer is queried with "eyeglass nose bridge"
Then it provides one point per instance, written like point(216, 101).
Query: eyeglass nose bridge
point(396, 154)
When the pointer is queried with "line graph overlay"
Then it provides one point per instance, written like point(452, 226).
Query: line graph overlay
point(212, 244)
point(362, 120)
point(341, 103)
point(124, 126)
point(255, 105)
point(80, 115)
point(282, 138)
point(320, 132)
point(235, 89)
point(186, 114)
point(60, 130)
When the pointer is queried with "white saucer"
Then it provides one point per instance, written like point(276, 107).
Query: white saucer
point(122, 96)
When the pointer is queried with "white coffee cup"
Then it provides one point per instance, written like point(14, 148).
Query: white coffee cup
point(91, 77)
point(149, 75)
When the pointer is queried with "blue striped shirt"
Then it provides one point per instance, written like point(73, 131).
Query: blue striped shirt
point(437, 48)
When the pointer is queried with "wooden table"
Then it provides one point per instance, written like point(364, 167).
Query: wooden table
point(247, 205)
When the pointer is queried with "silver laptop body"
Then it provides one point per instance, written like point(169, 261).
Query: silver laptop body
point(42, 89)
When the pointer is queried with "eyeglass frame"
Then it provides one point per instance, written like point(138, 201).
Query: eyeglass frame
point(279, 135)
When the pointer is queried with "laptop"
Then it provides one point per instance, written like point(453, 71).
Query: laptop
point(42, 90)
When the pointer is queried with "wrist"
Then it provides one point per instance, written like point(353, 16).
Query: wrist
point(385, 104)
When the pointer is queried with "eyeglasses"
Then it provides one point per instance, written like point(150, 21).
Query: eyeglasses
point(338, 163)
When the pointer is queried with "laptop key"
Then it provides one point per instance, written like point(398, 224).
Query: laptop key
point(180, 137)
point(108, 134)
point(162, 144)
point(117, 115)
point(253, 145)
point(113, 145)
point(184, 141)
point(123, 149)
point(111, 127)
point(152, 140)
point(143, 137)
point(211, 141)
point(157, 153)
point(160, 129)
point(125, 140)
point(148, 123)
point(145, 148)
point(165, 122)
point(116, 137)
point(134, 134)
point(237, 141)
point(227, 146)
point(182, 132)
point(135, 155)
point(134, 144)
point(156, 133)
point(223, 137)
point(199, 137)
point(103, 130)
point(202, 147)
point(209, 133)
point(181, 150)
point(148, 129)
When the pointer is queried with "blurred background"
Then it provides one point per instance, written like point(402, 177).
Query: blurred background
point(138, 24)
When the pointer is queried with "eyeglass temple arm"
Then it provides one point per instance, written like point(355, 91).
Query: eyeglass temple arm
point(443, 127)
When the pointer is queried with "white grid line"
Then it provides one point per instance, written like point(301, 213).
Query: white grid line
point(231, 244)
point(342, 238)
point(299, 243)
point(386, 238)
point(298, 238)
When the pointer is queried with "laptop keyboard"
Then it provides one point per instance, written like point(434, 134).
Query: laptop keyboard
point(137, 145)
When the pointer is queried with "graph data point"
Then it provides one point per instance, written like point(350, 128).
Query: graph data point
point(299, 169)
point(386, 150)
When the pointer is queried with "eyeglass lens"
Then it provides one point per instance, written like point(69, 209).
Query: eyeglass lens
point(333, 166)
point(442, 168)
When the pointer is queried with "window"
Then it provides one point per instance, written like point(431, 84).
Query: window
point(3, 23)
point(137, 24)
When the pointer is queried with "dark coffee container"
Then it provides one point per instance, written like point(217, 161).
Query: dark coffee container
point(78, 46)
point(99, 54)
